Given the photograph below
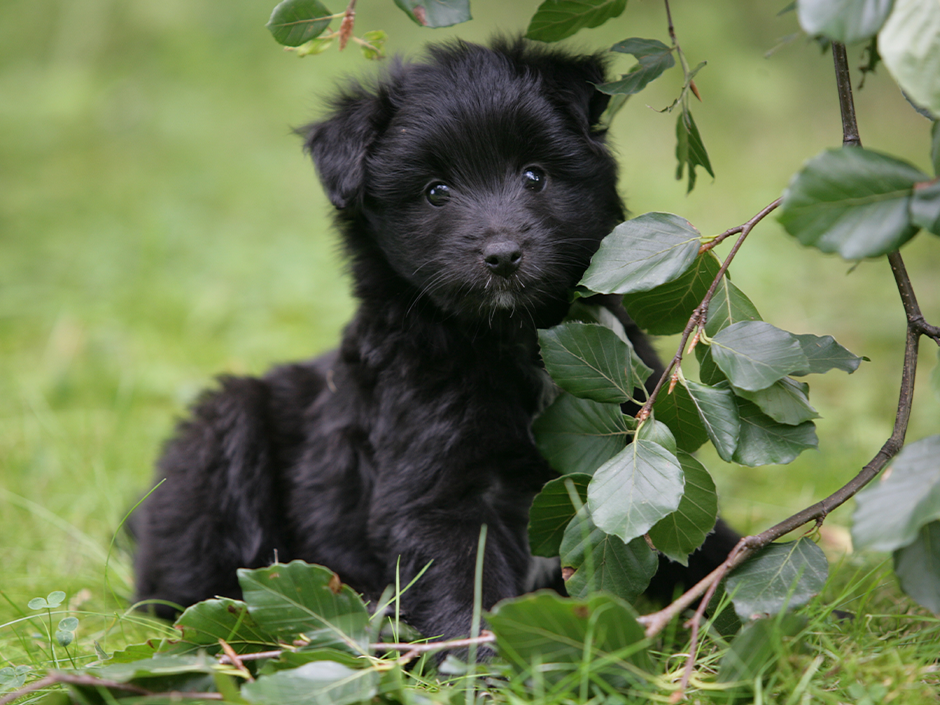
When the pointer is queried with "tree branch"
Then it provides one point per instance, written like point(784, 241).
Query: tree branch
point(850, 136)
point(56, 677)
point(916, 326)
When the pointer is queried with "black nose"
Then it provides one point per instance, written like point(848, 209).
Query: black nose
point(502, 257)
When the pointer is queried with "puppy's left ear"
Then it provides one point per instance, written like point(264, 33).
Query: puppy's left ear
point(573, 81)
point(339, 145)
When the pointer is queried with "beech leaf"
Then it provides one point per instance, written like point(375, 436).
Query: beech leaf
point(909, 44)
point(892, 510)
point(754, 354)
point(565, 635)
point(719, 414)
point(297, 598)
point(601, 561)
point(763, 441)
point(852, 201)
point(780, 575)
point(436, 13)
point(558, 19)
point(845, 21)
point(643, 253)
point(635, 489)
point(552, 511)
point(589, 361)
point(918, 567)
point(579, 435)
point(786, 401)
point(678, 534)
point(295, 22)
point(666, 309)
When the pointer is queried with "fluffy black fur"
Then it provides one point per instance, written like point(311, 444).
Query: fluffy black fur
point(471, 191)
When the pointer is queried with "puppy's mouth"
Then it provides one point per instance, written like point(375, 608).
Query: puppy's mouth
point(504, 293)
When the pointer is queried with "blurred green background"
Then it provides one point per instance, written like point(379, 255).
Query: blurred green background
point(160, 225)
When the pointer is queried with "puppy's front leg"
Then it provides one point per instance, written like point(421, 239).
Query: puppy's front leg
point(442, 540)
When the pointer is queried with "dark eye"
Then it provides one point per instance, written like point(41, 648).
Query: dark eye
point(534, 178)
point(437, 194)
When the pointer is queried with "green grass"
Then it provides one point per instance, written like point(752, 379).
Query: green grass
point(159, 225)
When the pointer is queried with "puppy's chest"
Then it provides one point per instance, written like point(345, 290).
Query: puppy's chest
point(463, 404)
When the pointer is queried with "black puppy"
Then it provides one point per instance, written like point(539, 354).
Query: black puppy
point(472, 189)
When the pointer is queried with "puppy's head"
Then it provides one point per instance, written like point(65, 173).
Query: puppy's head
point(475, 175)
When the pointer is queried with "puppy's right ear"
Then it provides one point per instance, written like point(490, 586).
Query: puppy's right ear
point(339, 144)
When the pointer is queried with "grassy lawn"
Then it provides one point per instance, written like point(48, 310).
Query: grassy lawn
point(159, 225)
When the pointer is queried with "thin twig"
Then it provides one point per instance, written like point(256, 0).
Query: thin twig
point(486, 637)
point(672, 29)
point(235, 660)
point(850, 136)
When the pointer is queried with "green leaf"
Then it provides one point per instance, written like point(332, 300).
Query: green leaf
point(780, 575)
point(64, 638)
point(543, 628)
point(852, 201)
point(680, 413)
point(653, 58)
point(579, 435)
point(551, 513)
point(683, 531)
point(635, 489)
point(690, 150)
point(785, 401)
point(314, 47)
point(757, 646)
point(708, 371)
point(202, 625)
point(823, 354)
point(38, 603)
point(557, 19)
point(134, 652)
point(55, 598)
point(754, 354)
point(602, 561)
point(643, 253)
point(909, 44)
point(292, 659)
point(656, 432)
point(763, 441)
point(592, 313)
point(925, 206)
point(890, 512)
point(729, 305)
point(161, 665)
point(437, 13)
point(666, 309)
point(296, 598)
point(845, 21)
point(918, 567)
point(589, 361)
point(316, 683)
point(376, 39)
point(719, 414)
point(294, 22)
point(69, 624)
